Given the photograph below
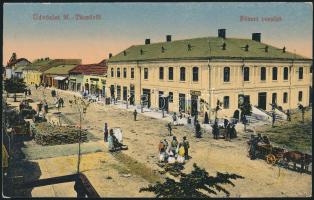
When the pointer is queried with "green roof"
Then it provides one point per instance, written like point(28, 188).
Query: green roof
point(44, 65)
point(38, 65)
point(204, 48)
point(19, 69)
point(60, 69)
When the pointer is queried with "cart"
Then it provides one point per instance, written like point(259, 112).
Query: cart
point(271, 154)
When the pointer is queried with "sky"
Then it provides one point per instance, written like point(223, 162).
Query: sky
point(124, 24)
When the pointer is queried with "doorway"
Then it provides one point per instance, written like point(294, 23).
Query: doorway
point(194, 102)
point(262, 96)
point(146, 99)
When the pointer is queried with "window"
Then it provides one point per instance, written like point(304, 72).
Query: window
point(161, 73)
point(246, 74)
point(300, 73)
point(226, 102)
point(300, 96)
point(145, 73)
point(275, 70)
point(170, 97)
point(182, 73)
point(170, 73)
point(118, 72)
point(195, 73)
point(274, 98)
point(112, 72)
point(118, 92)
point(263, 73)
point(226, 74)
point(285, 73)
point(124, 72)
point(285, 97)
point(132, 72)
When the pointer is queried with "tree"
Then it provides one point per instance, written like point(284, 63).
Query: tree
point(14, 85)
point(190, 185)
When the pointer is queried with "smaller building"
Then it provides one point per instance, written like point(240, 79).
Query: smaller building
point(90, 78)
point(15, 66)
point(33, 72)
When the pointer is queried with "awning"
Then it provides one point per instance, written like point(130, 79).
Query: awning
point(59, 78)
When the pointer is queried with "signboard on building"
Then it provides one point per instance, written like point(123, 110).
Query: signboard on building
point(196, 93)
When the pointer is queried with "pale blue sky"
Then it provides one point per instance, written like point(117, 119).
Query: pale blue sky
point(125, 24)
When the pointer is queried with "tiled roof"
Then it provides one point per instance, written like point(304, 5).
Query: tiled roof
point(90, 69)
point(204, 48)
point(16, 61)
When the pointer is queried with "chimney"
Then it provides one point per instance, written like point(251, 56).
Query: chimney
point(284, 50)
point(256, 37)
point(222, 33)
point(266, 48)
point(147, 41)
point(168, 38)
point(110, 55)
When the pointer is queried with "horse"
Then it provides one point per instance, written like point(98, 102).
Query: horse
point(298, 157)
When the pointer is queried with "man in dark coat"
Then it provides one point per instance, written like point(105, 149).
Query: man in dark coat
point(197, 129)
point(169, 128)
point(273, 115)
point(186, 146)
point(288, 115)
point(215, 130)
point(106, 133)
point(135, 114)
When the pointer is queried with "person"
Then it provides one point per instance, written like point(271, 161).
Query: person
point(181, 153)
point(61, 102)
point(226, 122)
point(46, 107)
point(106, 133)
point(244, 121)
point(165, 143)
point(302, 108)
point(215, 130)
point(266, 139)
point(273, 115)
point(135, 114)
point(36, 86)
point(259, 138)
point(29, 92)
point(26, 92)
point(252, 143)
point(233, 131)
point(181, 115)
point(162, 151)
point(186, 146)
point(174, 145)
point(110, 140)
point(197, 129)
point(288, 115)
point(228, 132)
point(174, 118)
point(169, 129)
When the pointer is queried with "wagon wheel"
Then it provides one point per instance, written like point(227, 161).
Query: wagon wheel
point(271, 159)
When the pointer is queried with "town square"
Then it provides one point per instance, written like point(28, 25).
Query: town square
point(224, 112)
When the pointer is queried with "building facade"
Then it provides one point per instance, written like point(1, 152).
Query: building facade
point(194, 75)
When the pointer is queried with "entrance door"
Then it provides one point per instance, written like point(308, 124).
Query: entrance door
point(262, 96)
point(125, 93)
point(194, 101)
point(146, 93)
point(182, 102)
point(161, 101)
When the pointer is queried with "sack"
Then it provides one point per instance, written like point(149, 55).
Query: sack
point(181, 151)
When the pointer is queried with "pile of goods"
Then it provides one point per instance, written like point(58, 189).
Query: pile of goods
point(48, 134)
point(173, 168)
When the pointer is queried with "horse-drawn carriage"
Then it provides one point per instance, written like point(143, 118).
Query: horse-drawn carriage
point(271, 154)
point(276, 155)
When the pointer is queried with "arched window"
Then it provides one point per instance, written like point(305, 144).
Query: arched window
point(118, 72)
point(226, 74)
point(300, 73)
point(182, 73)
point(263, 73)
point(124, 72)
point(246, 74)
point(275, 71)
point(195, 73)
point(285, 73)
point(112, 72)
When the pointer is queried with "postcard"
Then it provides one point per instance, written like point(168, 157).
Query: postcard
point(157, 100)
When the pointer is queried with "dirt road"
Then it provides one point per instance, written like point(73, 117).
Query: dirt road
point(143, 136)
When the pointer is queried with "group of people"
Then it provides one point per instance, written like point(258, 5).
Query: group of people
point(59, 102)
point(254, 141)
point(175, 151)
point(229, 130)
point(28, 92)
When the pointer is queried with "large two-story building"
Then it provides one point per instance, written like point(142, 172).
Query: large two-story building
point(195, 74)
